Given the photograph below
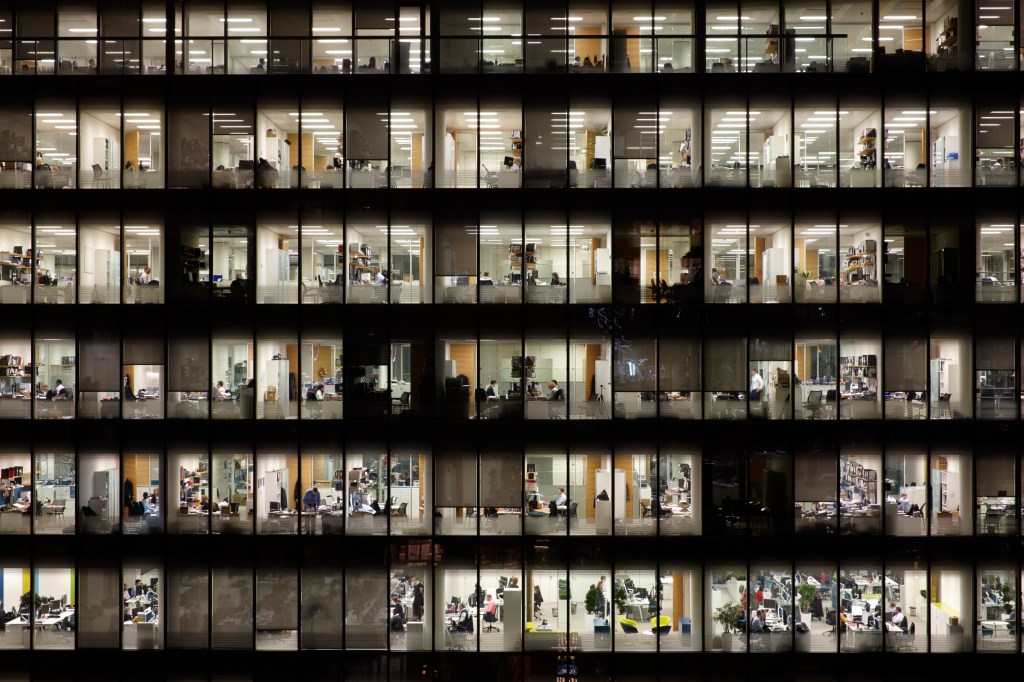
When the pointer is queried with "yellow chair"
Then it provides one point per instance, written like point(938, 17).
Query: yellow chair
point(530, 627)
point(661, 625)
point(629, 626)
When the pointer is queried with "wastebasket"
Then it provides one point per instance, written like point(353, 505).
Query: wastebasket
point(684, 626)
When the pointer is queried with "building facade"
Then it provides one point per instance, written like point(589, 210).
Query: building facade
point(575, 340)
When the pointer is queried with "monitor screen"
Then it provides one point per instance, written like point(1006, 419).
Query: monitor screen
point(245, 164)
point(218, 278)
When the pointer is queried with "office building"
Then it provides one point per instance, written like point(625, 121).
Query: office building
point(574, 340)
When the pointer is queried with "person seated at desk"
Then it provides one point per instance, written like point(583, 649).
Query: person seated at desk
point(465, 623)
point(556, 281)
point(899, 620)
point(128, 617)
point(757, 624)
point(204, 504)
point(397, 613)
point(492, 389)
point(59, 391)
point(554, 391)
point(377, 278)
point(147, 503)
point(490, 609)
point(903, 506)
point(486, 279)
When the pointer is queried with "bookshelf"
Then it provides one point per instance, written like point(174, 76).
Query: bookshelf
point(858, 373)
point(857, 479)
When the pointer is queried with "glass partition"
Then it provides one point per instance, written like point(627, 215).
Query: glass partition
point(231, 503)
point(189, 511)
point(143, 593)
point(56, 492)
point(143, 511)
point(100, 489)
point(232, 381)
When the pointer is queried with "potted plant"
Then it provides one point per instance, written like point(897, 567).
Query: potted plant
point(621, 600)
point(590, 601)
point(728, 616)
point(807, 592)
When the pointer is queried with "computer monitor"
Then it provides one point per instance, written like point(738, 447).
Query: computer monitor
point(245, 164)
point(218, 278)
point(770, 604)
point(502, 581)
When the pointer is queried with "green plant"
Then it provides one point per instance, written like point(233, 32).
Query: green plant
point(924, 595)
point(621, 600)
point(590, 601)
point(807, 592)
point(727, 616)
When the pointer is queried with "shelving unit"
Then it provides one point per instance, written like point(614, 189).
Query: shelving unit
point(517, 150)
point(860, 371)
point(518, 255)
point(192, 262)
point(867, 148)
point(360, 261)
point(771, 44)
point(861, 260)
point(947, 39)
point(860, 480)
point(12, 375)
point(13, 263)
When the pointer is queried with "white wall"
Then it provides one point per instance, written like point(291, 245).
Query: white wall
point(89, 464)
point(89, 242)
point(89, 129)
point(14, 588)
point(50, 582)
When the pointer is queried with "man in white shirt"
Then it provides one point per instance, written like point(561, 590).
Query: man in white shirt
point(898, 619)
point(561, 499)
point(756, 385)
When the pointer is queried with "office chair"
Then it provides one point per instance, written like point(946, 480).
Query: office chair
point(814, 404)
point(99, 179)
point(490, 619)
point(629, 626)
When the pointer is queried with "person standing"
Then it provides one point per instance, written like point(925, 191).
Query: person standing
point(417, 601)
point(311, 500)
point(756, 385)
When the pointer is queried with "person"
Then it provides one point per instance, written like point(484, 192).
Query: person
point(756, 385)
point(129, 166)
point(898, 619)
point(147, 275)
point(417, 601)
point(319, 395)
point(204, 503)
point(396, 614)
point(561, 500)
point(492, 389)
point(555, 281)
point(138, 589)
point(218, 390)
point(128, 617)
point(146, 503)
point(376, 277)
point(59, 391)
point(129, 394)
point(311, 500)
point(757, 624)
point(759, 594)
point(490, 609)
point(600, 597)
point(262, 66)
point(465, 622)
point(237, 288)
point(486, 279)
point(554, 392)
point(904, 504)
